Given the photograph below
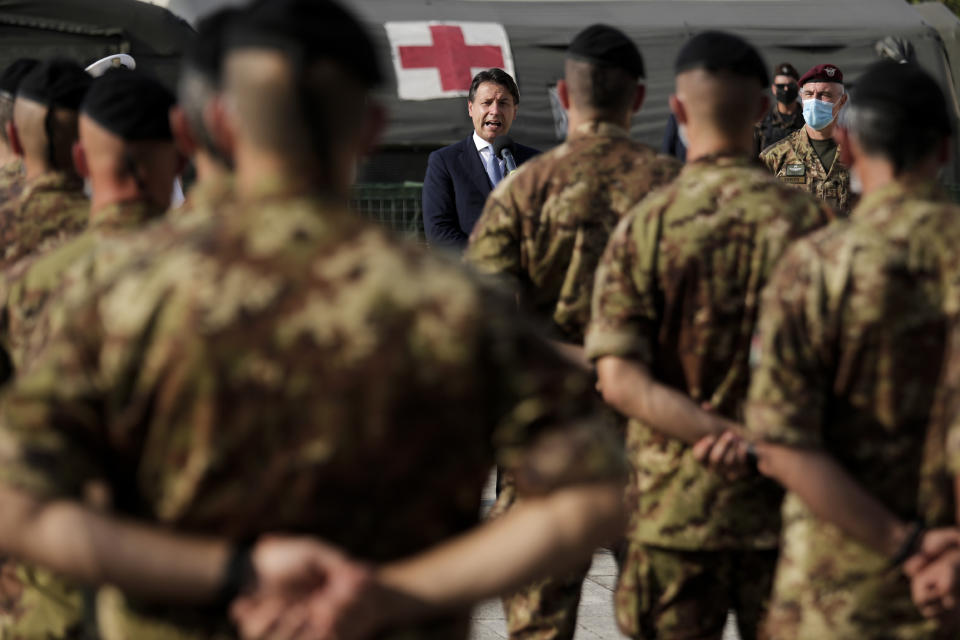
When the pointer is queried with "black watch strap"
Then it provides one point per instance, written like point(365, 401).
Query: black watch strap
point(239, 575)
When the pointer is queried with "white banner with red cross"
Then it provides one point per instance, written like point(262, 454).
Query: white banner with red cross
point(439, 59)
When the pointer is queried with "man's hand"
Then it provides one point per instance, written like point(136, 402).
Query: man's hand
point(726, 454)
point(934, 573)
point(305, 589)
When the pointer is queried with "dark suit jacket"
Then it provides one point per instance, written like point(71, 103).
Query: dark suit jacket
point(455, 189)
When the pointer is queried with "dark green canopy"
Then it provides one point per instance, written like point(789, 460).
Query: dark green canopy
point(87, 30)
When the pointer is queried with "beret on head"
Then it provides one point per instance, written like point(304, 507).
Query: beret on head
point(604, 45)
point(716, 51)
point(308, 30)
point(58, 83)
point(822, 73)
point(906, 92)
point(786, 69)
point(131, 105)
point(12, 76)
point(205, 51)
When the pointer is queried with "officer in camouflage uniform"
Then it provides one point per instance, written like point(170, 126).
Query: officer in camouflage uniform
point(124, 119)
point(250, 377)
point(197, 91)
point(545, 228)
point(674, 306)
point(809, 158)
point(52, 206)
point(853, 339)
point(11, 166)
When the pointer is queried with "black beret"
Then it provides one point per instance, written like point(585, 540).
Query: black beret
point(59, 83)
point(205, 52)
point(12, 76)
point(905, 91)
point(786, 69)
point(308, 30)
point(715, 51)
point(131, 105)
point(604, 45)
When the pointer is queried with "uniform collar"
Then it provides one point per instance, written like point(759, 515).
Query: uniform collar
point(897, 191)
point(53, 181)
point(124, 215)
point(208, 193)
point(599, 129)
point(723, 159)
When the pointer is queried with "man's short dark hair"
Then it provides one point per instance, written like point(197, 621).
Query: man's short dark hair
point(608, 90)
point(496, 76)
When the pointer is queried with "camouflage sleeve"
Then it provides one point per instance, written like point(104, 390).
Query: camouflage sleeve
point(495, 242)
point(787, 391)
point(50, 415)
point(551, 428)
point(623, 319)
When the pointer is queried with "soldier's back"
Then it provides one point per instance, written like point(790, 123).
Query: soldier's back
point(548, 225)
point(11, 181)
point(309, 366)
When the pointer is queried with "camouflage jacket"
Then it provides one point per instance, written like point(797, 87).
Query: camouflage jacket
point(51, 209)
point(794, 161)
point(11, 181)
point(546, 227)
point(853, 338)
point(246, 380)
point(205, 197)
point(678, 289)
point(776, 126)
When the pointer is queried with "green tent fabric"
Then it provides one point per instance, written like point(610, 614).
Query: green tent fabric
point(87, 30)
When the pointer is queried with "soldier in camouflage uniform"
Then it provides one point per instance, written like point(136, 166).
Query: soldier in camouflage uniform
point(11, 166)
point(785, 115)
point(675, 301)
point(52, 207)
point(847, 398)
point(286, 368)
point(198, 91)
point(124, 117)
point(544, 229)
point(809, 158)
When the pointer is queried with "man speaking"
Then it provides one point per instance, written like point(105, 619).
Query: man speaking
point(460, 176)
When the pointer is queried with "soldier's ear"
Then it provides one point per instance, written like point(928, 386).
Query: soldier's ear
point(764, 106)
point(844, 145)
point(80, 160)
point(678, 109)
point(563, 93)
point(376, 122)
point(220, 119)
point(638, 97)
point(14, 138)
point(183, 136)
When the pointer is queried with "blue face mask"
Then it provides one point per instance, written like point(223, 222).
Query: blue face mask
point(817, 113)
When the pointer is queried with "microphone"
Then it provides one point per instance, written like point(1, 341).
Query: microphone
point(502, 148)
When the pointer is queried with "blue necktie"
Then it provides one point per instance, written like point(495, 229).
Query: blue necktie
point(493, 168)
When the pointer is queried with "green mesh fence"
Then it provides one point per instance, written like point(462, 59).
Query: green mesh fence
point(395, 206)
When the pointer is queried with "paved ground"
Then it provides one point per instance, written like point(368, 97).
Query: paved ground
point(595, 620)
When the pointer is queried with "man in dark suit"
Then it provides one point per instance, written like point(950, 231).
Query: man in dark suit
point(460, 176)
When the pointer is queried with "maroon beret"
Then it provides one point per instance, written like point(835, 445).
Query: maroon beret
point(822, 73)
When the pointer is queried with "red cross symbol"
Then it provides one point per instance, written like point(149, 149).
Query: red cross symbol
point(452, 56)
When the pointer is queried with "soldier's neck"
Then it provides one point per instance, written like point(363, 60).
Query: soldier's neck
point(6, 154)
point(290, 177)
point(824, 134)
point(877, 172)
point(788, 108)
point(712, 143)
point(577, 118)
point(35, 167)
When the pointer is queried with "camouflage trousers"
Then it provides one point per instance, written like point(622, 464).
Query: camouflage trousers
point(544, 610)
point(670, 594)
point(37, 605)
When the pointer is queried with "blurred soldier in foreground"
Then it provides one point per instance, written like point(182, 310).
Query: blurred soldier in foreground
point(52, 206)
point(198, 94)
point(855, 334)
point(286, 368)
point(127, 152)
point(11, 166)
point(786, 114)
point(545, 229)
point(810, 158)
point(674, 307)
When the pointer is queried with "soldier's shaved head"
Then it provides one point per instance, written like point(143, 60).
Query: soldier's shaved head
point(606, 90)
point(721, 102)
point(33, 129)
